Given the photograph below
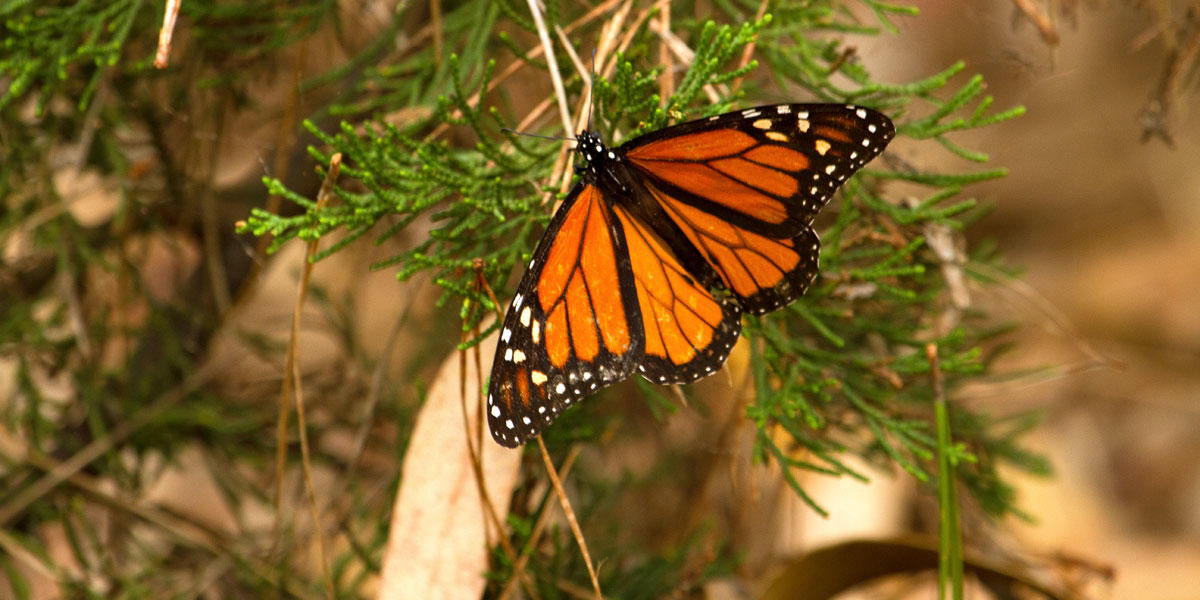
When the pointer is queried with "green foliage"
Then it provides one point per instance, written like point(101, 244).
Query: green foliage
point(828, 368)
point(45, 43)
point(839, 373)
point(825, 369)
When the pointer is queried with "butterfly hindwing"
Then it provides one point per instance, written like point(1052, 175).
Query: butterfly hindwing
point(574, 324)
point(764, 273)
point(688, 330)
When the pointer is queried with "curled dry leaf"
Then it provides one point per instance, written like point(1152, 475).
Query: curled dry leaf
point(437, 546)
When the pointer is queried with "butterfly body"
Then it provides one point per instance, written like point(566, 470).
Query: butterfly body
point(665, 241)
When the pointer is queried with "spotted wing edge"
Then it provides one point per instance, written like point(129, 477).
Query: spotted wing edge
point(828, 167)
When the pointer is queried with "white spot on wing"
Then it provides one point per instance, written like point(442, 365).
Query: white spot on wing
point(518, 356)
point(525, 317)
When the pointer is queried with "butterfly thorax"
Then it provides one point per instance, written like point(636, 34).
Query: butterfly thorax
point(605, 166)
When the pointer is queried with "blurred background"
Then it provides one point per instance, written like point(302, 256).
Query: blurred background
point(1100, 211)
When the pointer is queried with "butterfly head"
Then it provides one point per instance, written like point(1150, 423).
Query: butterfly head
point(592, 148)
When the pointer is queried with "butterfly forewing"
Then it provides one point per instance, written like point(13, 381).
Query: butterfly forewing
point(573, 325)
point(744, 187)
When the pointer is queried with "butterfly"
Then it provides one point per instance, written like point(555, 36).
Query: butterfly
point(662, 245)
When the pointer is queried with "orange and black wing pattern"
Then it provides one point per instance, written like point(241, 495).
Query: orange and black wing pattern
point(656, 253)
point(744, 187)
point(574, 324)
point(688, 330)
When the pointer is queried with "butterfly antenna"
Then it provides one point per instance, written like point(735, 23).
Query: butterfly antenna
point(592, 92)
point(536, 135)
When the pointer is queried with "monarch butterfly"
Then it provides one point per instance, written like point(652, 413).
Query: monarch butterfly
point(661, 246)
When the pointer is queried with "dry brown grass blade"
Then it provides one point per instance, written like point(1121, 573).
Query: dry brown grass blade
point(436, 500)
point(170, 15)
point(291, 388)
point(178, 527)
point(103, 445)
point(285, 138)
point(1040, 19)
point(748, 51)
point(535, 535)
point(666, 81)
point(513, 67)
point(570, 513)
point(560, 92)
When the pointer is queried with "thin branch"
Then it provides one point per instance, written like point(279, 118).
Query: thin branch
point(552, 66)
point(1040, 19)
point(748, 51)
point(535, 534)
point(570, 514)
point(103, 445)
point(170, 15)
point(323, 197)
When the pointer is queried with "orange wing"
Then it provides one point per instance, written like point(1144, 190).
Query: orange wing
point(744, 187)
point(574, 324)
point(688, 331)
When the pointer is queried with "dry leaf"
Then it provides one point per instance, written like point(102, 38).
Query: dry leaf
point(437, 547)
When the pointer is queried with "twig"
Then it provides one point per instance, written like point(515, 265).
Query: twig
point(178, 527)
point(475, 444)
point(170, 14)
point(291, 380)
point(1058, 321)
point(214, 262)
point(100, 446)
point(950, 559)
point(686, 55)
point(1180, 62)
point(570, 513)
point(584, 72)
point(666, 81)
point(435, 19)
point(551, 65)
point(513, 67)
point(748, 51)
point(535, 534)
point(1040, 19)
point(285, 136)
